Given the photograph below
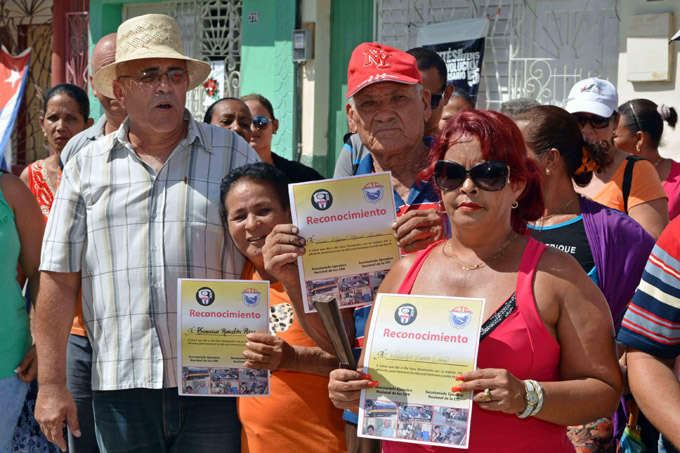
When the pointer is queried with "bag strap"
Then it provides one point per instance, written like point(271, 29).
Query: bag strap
point(628, 180)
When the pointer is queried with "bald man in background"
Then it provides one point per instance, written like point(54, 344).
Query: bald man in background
point(104, 53)
point(79, 350)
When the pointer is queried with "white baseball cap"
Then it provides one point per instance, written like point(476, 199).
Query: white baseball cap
point(594, 96)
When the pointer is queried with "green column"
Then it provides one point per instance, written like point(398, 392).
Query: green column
point(351, 24)
point(267, 63)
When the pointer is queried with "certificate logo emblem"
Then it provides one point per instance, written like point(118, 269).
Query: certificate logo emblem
point(205, 296)
point(405, 314)
point(373, 192)
point(460, 317)
point(250, 297)
point(322, 199)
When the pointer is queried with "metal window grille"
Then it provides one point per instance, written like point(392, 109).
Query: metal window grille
point(534, 48)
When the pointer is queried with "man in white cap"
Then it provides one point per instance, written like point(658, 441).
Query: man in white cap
point(136, 210)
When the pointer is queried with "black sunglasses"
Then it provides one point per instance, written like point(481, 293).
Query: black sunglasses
point(435, 99)
point(596, 121)
point(261, 122)
point(491, 175)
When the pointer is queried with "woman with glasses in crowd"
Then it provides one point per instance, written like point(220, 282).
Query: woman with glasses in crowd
point(539, 327)
point(639, 134)
point(620, 182)
point(297, 416)
point(230, 113)
point(264, 126)
point(611, 248)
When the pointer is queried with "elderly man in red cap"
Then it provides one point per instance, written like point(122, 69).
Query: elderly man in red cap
point(136, 210)
point(388, 105)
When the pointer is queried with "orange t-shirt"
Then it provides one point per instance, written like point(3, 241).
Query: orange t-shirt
point(297, 416)
point(645, 187)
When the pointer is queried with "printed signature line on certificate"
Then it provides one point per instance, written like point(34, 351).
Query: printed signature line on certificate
point(428, 362)
point(349, 237)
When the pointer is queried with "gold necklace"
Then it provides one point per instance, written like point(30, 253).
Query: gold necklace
point(473, 267)
point(658, 161)
point(561, 211)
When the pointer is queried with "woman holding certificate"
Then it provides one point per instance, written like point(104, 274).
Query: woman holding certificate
point(298, 416)
point(547, 356)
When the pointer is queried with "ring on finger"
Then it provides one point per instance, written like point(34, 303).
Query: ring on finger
point(487, 395)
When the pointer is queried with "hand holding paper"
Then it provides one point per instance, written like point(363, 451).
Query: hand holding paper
point(280, 251)
point(415, 230)
point(267, 352)
point(345, 386)
point(505, 390)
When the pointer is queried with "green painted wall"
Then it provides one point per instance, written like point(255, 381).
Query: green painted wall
point(267, 63)
point(351, 24)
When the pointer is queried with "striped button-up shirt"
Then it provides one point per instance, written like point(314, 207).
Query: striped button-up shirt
point(132, 232)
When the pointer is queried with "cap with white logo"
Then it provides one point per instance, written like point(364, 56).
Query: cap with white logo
point(594, 96)
point(373, 63)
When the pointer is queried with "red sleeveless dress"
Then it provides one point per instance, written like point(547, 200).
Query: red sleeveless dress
point(522, 345)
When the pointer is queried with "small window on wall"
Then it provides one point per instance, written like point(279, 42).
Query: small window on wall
point(647, 52)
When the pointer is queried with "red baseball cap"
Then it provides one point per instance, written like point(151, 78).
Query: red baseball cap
point(372, 63)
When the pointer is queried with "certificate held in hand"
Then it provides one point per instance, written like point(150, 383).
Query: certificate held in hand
point(415, 348)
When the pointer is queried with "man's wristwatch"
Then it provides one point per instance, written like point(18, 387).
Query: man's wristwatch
point(531, 398)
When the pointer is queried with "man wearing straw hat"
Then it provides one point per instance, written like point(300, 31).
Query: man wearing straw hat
point(136, 210)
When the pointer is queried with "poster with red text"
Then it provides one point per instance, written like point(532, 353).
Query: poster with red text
point(347, 223)
point(213, 319)
point(415, 348)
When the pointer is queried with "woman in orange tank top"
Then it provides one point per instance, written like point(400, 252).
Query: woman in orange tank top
point(297, 416)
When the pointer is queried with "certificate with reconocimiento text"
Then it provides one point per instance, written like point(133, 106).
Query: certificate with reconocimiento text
point(213, 319)
point(415, 348)
point(347, 223)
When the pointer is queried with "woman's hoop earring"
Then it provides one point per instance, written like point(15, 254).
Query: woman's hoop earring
point(515, 205)
point(440, 207)
point(547, 171)
point(637, 147)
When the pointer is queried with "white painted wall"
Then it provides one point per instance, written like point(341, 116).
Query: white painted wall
point(315, 81)
point(660, 92)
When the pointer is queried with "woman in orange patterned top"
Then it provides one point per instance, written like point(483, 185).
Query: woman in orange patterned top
point(66, 112)
point(297, 416)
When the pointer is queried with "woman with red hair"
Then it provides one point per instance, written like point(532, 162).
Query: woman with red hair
point(547, 356)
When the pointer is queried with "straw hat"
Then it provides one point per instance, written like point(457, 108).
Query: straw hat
point(144, 37)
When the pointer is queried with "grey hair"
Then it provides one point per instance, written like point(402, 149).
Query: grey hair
point(514, 107)
point(352, 102)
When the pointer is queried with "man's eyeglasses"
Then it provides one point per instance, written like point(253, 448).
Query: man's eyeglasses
point(491, 175)
point(435, 99)
point(261, 122)
point(175, 76)
point(596, 121)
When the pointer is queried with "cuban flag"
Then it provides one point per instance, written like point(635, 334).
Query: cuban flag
point(13, 76)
